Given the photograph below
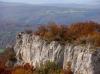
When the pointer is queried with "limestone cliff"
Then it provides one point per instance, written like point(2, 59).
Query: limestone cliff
point(32, 49)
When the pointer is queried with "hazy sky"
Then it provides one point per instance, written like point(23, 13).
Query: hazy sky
point(55, 1)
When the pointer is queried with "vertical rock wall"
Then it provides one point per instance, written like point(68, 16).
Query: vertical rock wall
point(34, 50)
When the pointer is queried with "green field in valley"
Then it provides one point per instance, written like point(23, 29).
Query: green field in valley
point(1, 50)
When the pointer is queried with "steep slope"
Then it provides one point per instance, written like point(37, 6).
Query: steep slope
point(32, 49)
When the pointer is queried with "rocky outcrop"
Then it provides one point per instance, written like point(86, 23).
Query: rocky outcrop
point(79, 58)
point(32, 49)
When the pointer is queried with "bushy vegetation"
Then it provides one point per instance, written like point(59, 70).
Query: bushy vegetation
point(49, 68)
point(52, 32)
point(87, 32)
point(25, 69)
point(29, 31)
point(5, 57)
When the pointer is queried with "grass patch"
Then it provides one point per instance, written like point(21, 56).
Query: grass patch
point(1, 50)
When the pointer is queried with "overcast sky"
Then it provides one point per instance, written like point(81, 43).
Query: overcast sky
point(55, 1)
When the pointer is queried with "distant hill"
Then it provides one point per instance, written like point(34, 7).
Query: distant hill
point(41, 14)
point(16, 17)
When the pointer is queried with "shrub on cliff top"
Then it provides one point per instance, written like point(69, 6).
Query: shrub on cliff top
point(28, 31)
point(52, 32)
point(71, 33)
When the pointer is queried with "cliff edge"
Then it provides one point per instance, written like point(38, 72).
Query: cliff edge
point(82, 59)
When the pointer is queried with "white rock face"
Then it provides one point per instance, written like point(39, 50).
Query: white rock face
point(80, 59)
point(33, 50)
